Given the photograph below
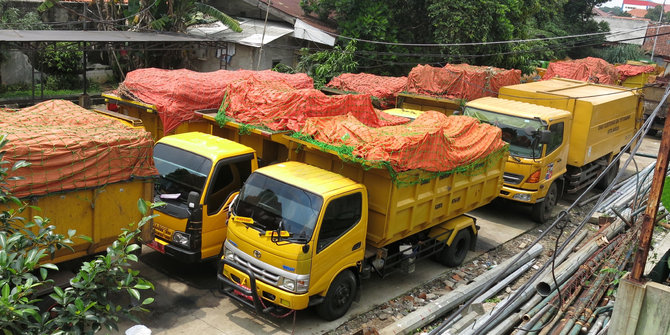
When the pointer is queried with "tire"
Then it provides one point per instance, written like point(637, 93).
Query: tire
point(608, 178)
point(339, 297)
point(542, 210)
point(454, 254)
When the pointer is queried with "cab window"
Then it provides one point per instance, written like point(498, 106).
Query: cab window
point(341, 215)
point(228, 177)
point(556, 137)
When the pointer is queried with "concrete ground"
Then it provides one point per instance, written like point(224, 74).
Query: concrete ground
point(187, 300)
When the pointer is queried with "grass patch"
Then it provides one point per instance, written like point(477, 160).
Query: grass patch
point(47, 93)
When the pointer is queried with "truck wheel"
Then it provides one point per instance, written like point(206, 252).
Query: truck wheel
point(609, 177)
point(454, 254)
point(542, 210)
point(339, 297)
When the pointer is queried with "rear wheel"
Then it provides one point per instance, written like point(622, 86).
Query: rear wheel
point(609, 177)
point(542, 210)
point(339, 297)
point(454, 254)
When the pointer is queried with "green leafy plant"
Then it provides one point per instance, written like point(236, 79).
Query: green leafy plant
point(322, 66)
point(93, 301)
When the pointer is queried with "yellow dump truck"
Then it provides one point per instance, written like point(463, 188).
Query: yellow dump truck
point(87, 176)
point(562, 134)
point(306, 231)
point(200, 164)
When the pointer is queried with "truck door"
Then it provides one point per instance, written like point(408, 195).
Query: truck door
point(556, 154)
point(227, 178)
point(340, 240)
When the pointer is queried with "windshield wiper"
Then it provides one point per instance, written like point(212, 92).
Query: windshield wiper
point(517, 159)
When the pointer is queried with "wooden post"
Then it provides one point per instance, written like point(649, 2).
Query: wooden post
point(648, 219)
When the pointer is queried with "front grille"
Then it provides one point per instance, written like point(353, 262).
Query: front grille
point(513, 179)
point(260, 273)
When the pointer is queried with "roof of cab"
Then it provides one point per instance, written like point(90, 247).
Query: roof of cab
point(522, 109)
point(212, 147)
point(308, 177)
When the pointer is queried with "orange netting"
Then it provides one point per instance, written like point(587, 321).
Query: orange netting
point(591, 69)
point(383, 88)
point(460, 81)
point(69, 147)
point(278, 106)
point(628, 70)
point(433, 142)
point(178, 93)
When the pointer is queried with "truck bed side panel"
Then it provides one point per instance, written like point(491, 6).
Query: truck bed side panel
point(99, 213)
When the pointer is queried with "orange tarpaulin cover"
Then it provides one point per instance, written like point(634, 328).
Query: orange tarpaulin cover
point(278, 106)
point(69, 147)
point(591, 69)
point(460, 81)
point(384, 88)
point(433, 142)
point(178, 93)
point(629, 70)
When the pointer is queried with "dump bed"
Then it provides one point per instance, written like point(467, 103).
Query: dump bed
point(396, 212)
point(146, 115)
point(605, 117)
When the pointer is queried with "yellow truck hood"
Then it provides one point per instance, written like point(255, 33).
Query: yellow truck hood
point(283, 255)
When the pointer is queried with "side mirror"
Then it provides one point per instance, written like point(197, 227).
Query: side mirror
point(545, 136)
point(193, 199)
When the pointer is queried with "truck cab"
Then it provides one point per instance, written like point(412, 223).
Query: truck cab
point(294, 230)
point(198, 174)
point(538, 149)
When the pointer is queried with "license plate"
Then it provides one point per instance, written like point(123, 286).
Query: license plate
point(248, 297)
point(156, 246)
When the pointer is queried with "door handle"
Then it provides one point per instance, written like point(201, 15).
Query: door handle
point(356, 246)
point(559, 160)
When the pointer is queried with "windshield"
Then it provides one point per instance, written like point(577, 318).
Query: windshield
point(180, 172)
point(279, 206)
point(519, 132)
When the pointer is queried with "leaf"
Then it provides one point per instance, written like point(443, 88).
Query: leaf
point(49, 266)
point(86, 238)
point(142, 286)
point(142, 206)
point(19, 165)
point(147, 301)
point(134, 293)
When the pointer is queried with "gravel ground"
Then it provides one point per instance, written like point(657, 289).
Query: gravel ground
point(394, 309)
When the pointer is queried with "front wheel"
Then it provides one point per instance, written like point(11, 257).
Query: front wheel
point(609, 177)
point(542, 210)
point(339, 297)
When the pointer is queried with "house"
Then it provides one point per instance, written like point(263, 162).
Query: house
point(263, 43)
point(628, 5)
point(626, 30)
point(658, 39)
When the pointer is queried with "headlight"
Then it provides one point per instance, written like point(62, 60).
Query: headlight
point(292, 285)
point(522, 196)
point(181, 238)
point(228, 254)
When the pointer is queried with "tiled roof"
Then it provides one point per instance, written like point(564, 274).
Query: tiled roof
point(637, 12)
point(292, 8)
point(662, 41)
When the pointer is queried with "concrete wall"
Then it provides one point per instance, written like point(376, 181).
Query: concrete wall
point(640, 309)
point(281, 50)
point(625, 24)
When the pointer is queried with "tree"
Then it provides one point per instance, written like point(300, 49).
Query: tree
point(654, 15)
point(90, 303)
point(377, 21)
point(322, 66)
point(616, 11)
point(175, 15)
point(474, 24)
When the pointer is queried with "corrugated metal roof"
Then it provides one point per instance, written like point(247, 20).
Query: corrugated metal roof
point(92, 36)
point(251, 35)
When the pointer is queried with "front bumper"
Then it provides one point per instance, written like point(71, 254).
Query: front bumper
point(517, 194)
point(241, 285)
